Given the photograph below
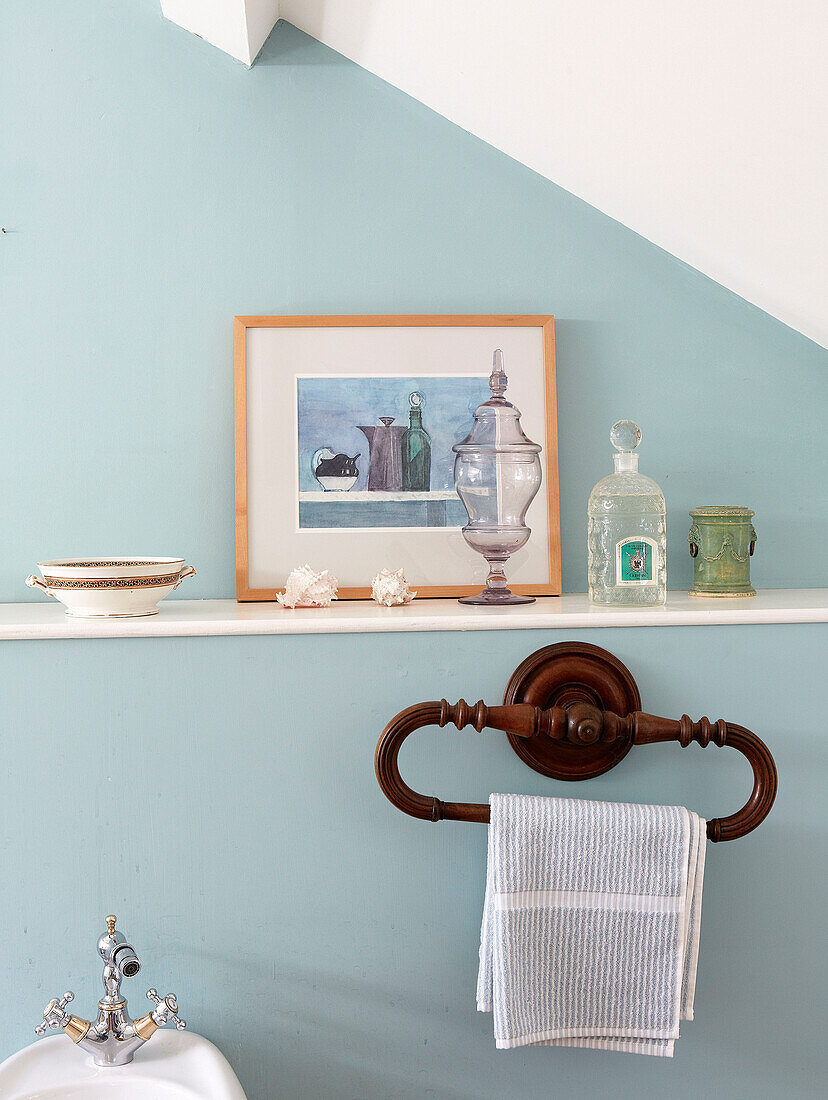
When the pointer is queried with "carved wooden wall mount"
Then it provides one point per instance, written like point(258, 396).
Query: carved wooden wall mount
point(572, 711)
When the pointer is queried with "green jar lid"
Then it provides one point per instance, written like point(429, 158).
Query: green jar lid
point(722, 510)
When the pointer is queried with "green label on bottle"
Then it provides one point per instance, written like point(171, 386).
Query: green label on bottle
point(635, 561)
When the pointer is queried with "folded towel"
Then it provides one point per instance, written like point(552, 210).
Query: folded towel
point(591, 923)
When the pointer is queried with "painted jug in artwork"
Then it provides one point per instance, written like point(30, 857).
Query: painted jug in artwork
point(385, 454)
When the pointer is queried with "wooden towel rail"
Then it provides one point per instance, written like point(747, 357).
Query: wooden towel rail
point(572, 711)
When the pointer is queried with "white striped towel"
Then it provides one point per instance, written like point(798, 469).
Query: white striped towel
point(591, 923)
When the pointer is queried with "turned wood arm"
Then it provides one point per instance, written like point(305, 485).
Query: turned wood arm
point(578, 725)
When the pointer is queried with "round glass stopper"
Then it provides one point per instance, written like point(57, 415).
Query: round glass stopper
point(625, 435)
point(415, 399)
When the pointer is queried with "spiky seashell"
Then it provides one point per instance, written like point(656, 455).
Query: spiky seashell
point(391, 589)
point(307, 588)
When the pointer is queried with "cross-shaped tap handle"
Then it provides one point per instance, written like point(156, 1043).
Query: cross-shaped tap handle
point(167, 1009)
point(53, 1014)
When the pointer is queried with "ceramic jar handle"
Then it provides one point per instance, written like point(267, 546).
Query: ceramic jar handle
point(35, 582)
point(694, 538)
point(187, 571)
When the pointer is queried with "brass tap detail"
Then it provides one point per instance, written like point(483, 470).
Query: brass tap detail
point(76, 1028)
point(110, 924)
point(145, 1027)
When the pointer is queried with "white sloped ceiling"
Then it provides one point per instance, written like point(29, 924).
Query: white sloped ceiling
point(703, 126)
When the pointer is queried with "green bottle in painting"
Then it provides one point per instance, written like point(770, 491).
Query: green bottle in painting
point(416, 449)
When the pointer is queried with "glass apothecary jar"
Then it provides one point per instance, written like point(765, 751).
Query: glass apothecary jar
point(497, 473)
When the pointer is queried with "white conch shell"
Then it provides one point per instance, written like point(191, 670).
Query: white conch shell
point(391, 589)
point(307, 588)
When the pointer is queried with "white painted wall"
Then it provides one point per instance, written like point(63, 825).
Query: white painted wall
point(260, 17)
point(703, 126)
point(239, 27)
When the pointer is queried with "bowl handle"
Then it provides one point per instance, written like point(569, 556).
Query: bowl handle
point(187, 571)
point(35, 582)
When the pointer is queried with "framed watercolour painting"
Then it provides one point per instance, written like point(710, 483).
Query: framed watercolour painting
point(344, 436)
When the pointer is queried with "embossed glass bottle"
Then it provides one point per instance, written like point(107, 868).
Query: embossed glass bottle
point(627, 538)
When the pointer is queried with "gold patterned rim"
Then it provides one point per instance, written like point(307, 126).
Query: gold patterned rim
point(111, 582)
point(96, 563)
point(108, 563)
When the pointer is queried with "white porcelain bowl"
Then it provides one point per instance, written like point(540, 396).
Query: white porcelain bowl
point(107, 588)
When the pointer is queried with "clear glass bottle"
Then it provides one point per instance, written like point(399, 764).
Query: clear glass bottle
point(627, 538)
point(416, 449)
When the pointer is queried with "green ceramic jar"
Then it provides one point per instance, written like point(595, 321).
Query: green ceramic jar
point(721, 545)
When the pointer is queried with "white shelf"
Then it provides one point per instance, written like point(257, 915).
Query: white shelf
point(190, 618)
point(373, 496)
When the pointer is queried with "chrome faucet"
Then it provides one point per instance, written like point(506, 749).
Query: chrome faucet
point(114, 1037)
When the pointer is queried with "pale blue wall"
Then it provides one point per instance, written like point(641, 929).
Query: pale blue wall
point(219, 796)
point(151, 188)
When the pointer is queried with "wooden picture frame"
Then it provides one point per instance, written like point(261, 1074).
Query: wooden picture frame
point(257, 350)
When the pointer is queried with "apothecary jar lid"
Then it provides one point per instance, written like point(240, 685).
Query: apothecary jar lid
point(497, 425)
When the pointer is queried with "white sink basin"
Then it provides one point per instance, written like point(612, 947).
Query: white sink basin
point(173, 1065)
